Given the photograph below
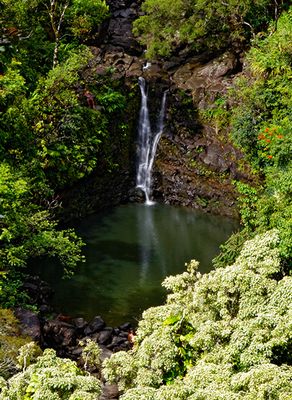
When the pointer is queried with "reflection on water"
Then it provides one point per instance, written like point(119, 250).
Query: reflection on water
point(129, 252)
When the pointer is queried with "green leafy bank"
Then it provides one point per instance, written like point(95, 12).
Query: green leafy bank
point(261, 125)
point(59, 121)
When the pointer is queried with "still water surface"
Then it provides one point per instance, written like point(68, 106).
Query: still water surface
point(129, 251)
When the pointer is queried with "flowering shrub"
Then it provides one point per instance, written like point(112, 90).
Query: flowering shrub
point(51, 378)
point(267, 140)
point(275, 145)
point(222, 335)
point(261, 121)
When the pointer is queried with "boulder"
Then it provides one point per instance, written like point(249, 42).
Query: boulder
point(30, 323)
point(59, 333)
point(116, 342)
point(125, 327)
point(80, 323)
point(96, 325)
point(105, 353)
point(215, 157)
point(105, 335)
point(68, 336)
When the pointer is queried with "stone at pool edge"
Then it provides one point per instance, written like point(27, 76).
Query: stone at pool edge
point(96, 325)
point(80, 323)
point(29, 322)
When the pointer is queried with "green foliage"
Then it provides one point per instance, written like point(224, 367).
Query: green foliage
point(36, 29)
point(110, 99)
point(274, 54)
point(52, 378)
point(28, 354)
point(231, 249)
point(225, 334)
point(275, 144)
point(27, 231)
point(274, 209)
point(12, 84)
point(90, 354)
point(262, 127)
point(200, 24)
point(264, 97)
point(85, 16)
point(11, 293)
point(54, 129)
point(247, 199)
point(67, 134)
point(216, 114)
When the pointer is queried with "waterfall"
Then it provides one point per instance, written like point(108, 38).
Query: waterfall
point(147, 141)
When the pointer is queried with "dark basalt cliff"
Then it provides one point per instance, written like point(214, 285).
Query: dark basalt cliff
point(195, 162)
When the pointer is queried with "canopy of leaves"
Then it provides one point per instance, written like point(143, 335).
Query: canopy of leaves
point(33, 30)
point(226, 334)
point(264, 94)
point(201, 24)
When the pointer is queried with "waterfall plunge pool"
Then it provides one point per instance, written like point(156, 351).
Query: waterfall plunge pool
point(129, 251)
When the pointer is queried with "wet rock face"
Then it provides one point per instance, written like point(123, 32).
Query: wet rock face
point(205, 80)
point(119, 29)
point(195, 165)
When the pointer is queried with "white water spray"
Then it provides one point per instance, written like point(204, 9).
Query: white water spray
point(148, 141)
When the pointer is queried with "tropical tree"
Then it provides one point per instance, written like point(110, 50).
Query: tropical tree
point(27, 231)
point(202, 24)
point(28, 27)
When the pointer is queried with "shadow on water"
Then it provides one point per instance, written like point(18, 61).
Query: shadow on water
point(129, 251)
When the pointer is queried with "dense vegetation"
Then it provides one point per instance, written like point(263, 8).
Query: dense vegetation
point(224, 335)
point(54, 126)
point(261, 125)
point(46, 376)
point(203, 25)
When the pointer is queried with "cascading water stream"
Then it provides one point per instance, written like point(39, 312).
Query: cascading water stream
point(148, 141)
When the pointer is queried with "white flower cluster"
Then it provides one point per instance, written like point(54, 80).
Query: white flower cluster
point(51, 378)
point(222, 335)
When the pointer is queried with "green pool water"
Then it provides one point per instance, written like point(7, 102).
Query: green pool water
point(129, 251)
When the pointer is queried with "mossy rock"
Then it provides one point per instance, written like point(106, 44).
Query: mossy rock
point(10, 342)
